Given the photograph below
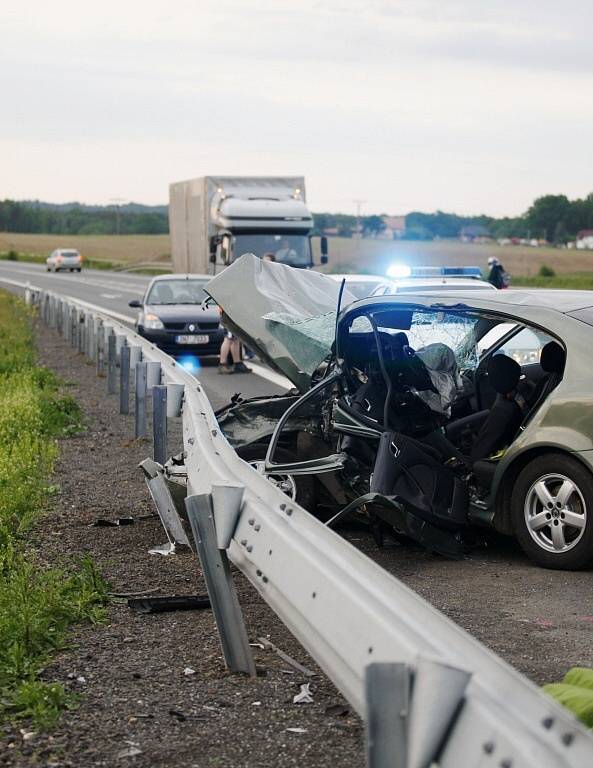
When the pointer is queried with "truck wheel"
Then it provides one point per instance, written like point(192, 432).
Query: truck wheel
point(299, 488)
point(552, 512)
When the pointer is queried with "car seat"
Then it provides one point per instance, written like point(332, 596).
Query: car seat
point(505, 416)
point(552, 361)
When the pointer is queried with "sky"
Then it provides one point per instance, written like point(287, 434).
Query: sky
point(457, 105)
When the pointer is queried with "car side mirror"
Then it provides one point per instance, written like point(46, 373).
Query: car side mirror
point(323, 258)
point(323, 244)
point(135, 303)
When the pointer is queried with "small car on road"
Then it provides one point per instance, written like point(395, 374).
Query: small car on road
point(64, 259)
point(172, 316)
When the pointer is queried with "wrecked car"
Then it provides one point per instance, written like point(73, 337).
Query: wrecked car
point(437, 415)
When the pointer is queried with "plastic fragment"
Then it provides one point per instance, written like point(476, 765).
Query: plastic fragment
point(189, 671)
point(296, 730)
point(129, 752)
point(305, 696)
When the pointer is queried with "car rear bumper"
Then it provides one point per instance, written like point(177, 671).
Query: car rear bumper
point(165, 340)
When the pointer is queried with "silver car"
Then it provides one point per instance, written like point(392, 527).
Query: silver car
point(64, 258)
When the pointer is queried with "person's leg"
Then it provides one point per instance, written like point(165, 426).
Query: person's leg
point(225, 350)
point(239, 365)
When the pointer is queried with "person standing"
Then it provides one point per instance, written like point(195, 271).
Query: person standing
point(496, 274)
point(231, 346)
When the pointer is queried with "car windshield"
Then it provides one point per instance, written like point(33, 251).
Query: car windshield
point(425, 328)
point(294, 250)
point(177, 292)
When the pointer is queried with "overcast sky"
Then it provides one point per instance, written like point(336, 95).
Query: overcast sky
point(460, 105)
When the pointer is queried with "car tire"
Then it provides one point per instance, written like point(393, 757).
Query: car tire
point(303, 485)
point(79, 269)
point(552, 512)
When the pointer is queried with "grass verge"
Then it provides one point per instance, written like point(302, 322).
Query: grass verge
point(37, 603)
point(575, 280)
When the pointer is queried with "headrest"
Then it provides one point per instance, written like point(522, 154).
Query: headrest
point(503, 373)
point(552, 358)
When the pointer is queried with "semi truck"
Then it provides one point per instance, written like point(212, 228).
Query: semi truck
point(215, 219)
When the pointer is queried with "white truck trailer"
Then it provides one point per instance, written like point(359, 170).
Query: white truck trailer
point(215, 219)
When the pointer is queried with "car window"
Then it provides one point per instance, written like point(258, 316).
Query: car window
point(455, 329)
point(526, 346)
point(177, 292)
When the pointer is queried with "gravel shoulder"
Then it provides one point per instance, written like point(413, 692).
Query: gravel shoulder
point(136, 705)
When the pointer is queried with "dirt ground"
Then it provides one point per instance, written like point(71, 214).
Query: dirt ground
point(129, 672)
point(135, 695)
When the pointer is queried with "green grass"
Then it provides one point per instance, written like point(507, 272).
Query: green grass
point(37, 603)
point(575, 281)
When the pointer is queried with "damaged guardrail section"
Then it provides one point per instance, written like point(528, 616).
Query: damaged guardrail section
point(429, 693)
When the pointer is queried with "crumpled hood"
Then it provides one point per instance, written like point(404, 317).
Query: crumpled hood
point(286, 315)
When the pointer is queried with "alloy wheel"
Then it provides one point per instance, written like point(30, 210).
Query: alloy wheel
point(555, 513)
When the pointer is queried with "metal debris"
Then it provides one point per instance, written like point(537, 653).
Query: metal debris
point(286, 658)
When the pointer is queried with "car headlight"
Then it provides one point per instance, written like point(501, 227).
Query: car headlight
point(153, 323)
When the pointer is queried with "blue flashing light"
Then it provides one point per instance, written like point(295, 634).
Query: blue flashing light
point(190, 362)
point(400, 271)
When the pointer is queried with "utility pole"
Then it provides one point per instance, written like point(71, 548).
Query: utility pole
point(359, 204)
point(117, 201)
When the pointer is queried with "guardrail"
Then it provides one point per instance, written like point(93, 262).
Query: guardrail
point(431, 695)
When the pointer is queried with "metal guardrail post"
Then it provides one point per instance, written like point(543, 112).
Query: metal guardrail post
point(387, 689)
point(140, 401)
point(124, 381)
point(120, 342)
point(159, 423)
point(153, 374)
point(90, 341)
point(175, 394)
point(111, 364)
point(135, 356)
point(74, 329)
point(220, 585)
point(81, 330)
point(100, 351)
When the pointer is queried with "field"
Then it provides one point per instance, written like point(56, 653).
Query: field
point(345, 255)
point(114, 248)
point(374, 256)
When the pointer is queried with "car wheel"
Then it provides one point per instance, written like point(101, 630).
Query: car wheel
point(79, 269)
point(299, 488)
point(552, 511)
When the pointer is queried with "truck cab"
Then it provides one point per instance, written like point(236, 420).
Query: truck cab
point(215, 220)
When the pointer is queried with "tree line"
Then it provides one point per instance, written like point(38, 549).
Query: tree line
point(554, 218)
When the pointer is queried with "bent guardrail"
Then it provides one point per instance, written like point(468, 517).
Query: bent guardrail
point(429, 692)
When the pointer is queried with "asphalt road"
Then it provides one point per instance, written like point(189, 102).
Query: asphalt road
point(111, 291)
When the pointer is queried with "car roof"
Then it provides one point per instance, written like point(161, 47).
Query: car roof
point(517, 302)
point(433, 283)
point(182, 276)
point(360, 278)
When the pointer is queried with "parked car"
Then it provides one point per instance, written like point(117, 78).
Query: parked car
point(172, 316)
point(64, 258)
point(405, 414)
point(405, 279)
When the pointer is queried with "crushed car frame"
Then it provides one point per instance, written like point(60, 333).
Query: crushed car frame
point(438, 415)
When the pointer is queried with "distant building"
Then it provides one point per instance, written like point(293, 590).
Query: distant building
point(331, 231)
point(475, 233)
point(585, 239)
point(395, 228)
